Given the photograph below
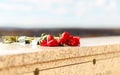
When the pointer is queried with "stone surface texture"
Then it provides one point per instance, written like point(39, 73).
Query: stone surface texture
point(94, 56)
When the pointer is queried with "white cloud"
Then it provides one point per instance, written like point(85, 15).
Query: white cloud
point(82, 7)
point(46, 5)
point(43, 5)
point(62, 1)
point(112, 7)
point(100, 3)
point(49, 1)
point(24, 1)
point(8, 6)
point(107, 7)
point(79, 8)
point(35, 22)
point(60, 11)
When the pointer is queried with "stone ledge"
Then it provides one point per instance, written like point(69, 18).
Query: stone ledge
point(15, 55)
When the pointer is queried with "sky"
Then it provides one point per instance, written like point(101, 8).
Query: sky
point(60, 13)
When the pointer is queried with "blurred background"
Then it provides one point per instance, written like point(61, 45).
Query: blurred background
point(86, 18)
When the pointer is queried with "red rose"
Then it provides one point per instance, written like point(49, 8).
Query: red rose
point(62, 41)
point(70, 37)
point(74, 41)
point(43, 43)
point(77, 39)
point(50, 37)
point(52, 43)
point(65, 35)
point(63, 38)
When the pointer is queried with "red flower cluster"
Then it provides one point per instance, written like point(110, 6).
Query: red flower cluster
point(64, 39)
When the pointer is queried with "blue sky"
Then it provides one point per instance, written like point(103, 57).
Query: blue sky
point(60, 13)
